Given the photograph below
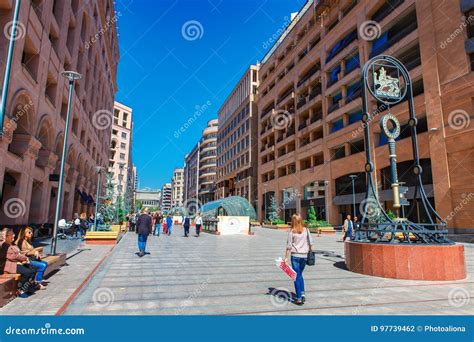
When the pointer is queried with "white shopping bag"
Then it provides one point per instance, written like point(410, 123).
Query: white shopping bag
point(282, 265)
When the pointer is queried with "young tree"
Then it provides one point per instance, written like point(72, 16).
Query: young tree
point(273, 209)
point(311, 214)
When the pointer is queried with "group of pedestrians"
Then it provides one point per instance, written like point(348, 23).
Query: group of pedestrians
point(350, 227)
point(147, 224)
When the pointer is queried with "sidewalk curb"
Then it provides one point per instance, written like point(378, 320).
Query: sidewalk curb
point(66, 304)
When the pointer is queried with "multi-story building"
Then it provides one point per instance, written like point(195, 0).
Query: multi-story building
point(191, 175)
point(201, 168)
point(166, 194)
point(150, 199)
point(237, 140)
point(177, 188)
point(208, 163)
point(311, 76)
point(55, 36)
point(120, 159)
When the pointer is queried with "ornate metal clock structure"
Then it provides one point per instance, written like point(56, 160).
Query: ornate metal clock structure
point(388, 81)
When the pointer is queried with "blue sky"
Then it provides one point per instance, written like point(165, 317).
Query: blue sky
point(166, 72)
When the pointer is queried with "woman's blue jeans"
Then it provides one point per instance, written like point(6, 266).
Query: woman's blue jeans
point(157, 229)
point(41, 266)
point(298, 264)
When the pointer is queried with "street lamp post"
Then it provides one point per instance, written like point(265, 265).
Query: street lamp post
point(265, 201)
point(8, 64)
point(99, 171)
point(71, 76)
point(119, 197)
point(353, 177)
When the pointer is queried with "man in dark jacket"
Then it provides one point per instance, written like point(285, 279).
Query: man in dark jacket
point(186, 225)
point(143, 230)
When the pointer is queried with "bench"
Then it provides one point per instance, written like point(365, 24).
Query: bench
point(9, 282)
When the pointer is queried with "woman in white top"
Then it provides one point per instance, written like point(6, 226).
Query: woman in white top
point(198, 222)
point(298, 245)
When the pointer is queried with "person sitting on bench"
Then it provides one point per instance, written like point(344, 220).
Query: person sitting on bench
point(13, 262)
point(33, 254)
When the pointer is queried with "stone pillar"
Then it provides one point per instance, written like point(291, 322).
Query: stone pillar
point(434, 113)
point(51, 160)
point(5, 140)
point(30, 147)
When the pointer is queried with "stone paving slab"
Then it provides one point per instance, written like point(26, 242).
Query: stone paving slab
point(81, 261)
point(232, 275)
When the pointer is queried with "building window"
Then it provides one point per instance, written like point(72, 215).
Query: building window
point(122, 156)
point(124, 135)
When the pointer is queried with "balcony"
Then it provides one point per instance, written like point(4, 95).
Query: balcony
point(353, 92)
point(303, 124)
point(396, 33)
point(314, 69)
point(285, 95)
point(386, 9)
point(266, 111)
point(352, 63)
point(340, 45)
point(316, 116)
point(316, 91)
point(333, 107)
point(302, 101)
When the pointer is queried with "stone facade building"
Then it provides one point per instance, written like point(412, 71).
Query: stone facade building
point(55, 36)
point(177, 188)
point(120, 159)
point(200, 168)
point(237, 140)
point(310, 107)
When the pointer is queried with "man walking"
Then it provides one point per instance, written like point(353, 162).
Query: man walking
point(158, 218)
point(143, 230)
point(186, 224)
point(348, 226)
point(198, 222)
point(169, 224)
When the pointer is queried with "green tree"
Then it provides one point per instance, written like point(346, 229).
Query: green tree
point(311, 214)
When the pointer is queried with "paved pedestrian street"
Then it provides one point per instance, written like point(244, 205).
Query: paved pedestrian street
point(233, 275)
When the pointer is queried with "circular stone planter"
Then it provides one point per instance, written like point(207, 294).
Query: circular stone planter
point(405, 261)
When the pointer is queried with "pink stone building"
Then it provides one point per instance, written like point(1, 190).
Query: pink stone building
point(56, 36)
